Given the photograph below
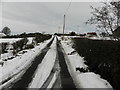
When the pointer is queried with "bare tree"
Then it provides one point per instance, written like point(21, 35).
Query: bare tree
point(106, 18)
point(116, 10)
point(6, 31)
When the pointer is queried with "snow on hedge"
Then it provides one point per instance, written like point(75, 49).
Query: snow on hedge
point(81, 80)
point(19, 63)
point(44, 68)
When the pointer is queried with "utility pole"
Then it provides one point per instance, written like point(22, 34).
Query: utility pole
point(65, 16)
point(64, 25)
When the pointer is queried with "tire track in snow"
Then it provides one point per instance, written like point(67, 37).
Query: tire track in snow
point(55, 71)
point(24, 81)
point(66, 79)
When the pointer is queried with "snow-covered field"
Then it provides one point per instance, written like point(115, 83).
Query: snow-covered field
point(9, 40)
point(16, 66)
point(82, 80)
point(9, 47)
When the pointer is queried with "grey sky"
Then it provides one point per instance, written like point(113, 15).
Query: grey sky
point(46, 16)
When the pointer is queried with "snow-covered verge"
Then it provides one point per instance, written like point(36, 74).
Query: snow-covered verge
point(81, 79)
point(15, 67)
point(45, 67)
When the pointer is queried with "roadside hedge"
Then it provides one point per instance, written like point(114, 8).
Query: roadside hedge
point(102, 56)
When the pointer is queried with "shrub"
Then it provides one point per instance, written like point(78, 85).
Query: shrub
point(30, 46)
point(41, 38)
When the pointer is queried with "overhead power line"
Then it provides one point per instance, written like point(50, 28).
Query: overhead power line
point(68, 7)
point(65, 16)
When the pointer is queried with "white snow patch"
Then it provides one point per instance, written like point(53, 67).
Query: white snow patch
point(2, 35)
point(30, 40)
point(9, 40)
point(92, 80)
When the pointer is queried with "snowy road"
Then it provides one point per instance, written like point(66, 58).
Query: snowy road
point(55, 68)
point(59, 76)
point(63, 77)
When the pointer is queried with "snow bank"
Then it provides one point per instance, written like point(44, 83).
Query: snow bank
point(2, 34)
point(44, 69)
point(92, 80)
point(20, 63)
point(81, 80)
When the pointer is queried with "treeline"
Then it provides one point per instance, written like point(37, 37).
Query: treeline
point(41, 37)
point(103, 57)
point(70, 34)
point(24, 35)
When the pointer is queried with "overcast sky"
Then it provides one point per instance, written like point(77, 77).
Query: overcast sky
point(46, 16)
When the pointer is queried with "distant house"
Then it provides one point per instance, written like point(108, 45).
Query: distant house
point(116, 32)
point(2, 35)
point(91, 34)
